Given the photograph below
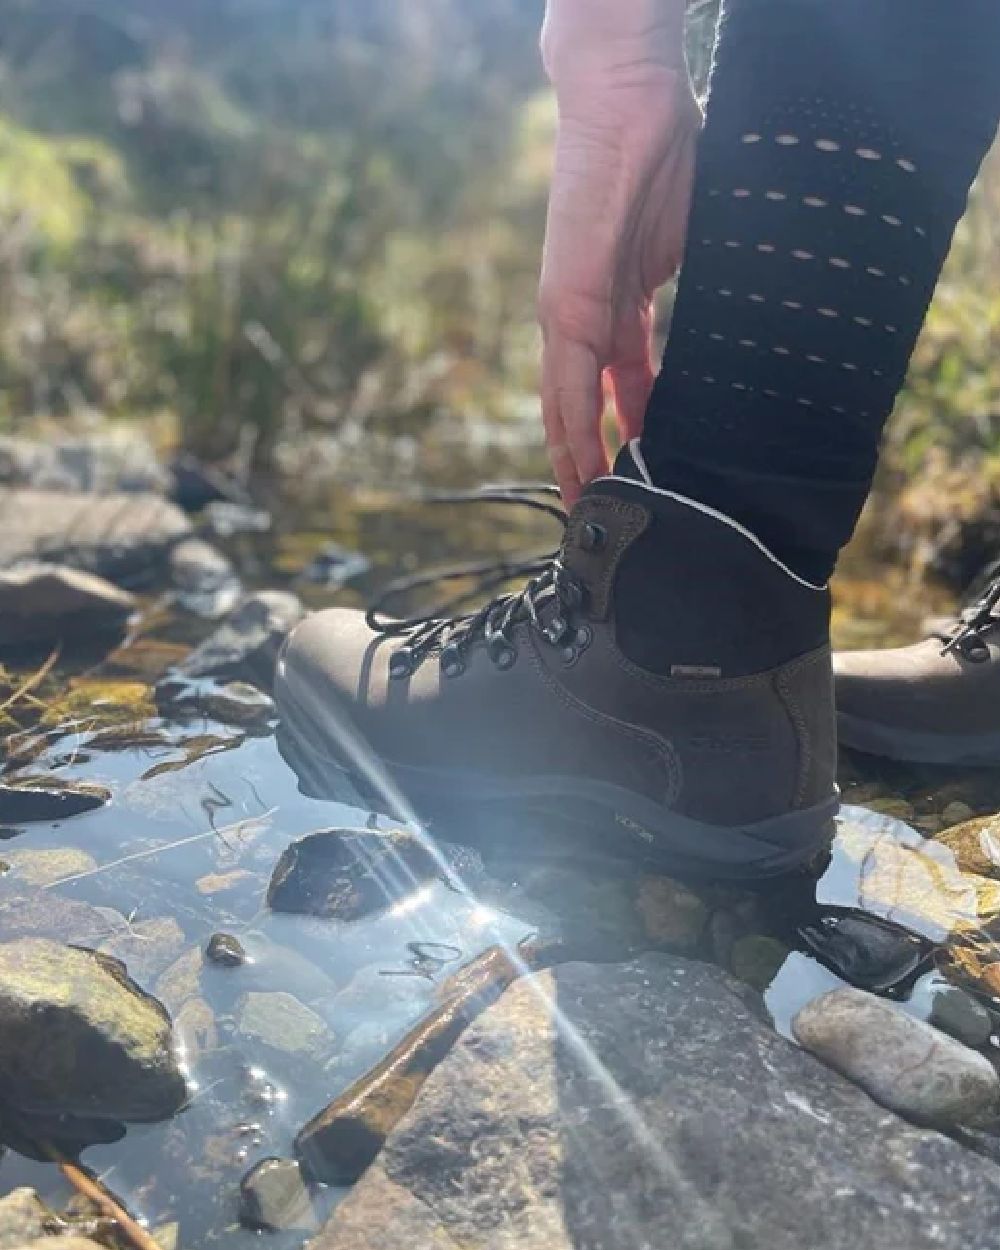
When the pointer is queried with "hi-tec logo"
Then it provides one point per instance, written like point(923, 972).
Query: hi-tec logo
point(728, 742)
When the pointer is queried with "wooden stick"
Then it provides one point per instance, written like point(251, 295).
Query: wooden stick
point(85, 1184)
point(31, 682)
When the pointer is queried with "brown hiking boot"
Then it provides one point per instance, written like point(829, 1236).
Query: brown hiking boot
point(936, 702)
point(661, 689)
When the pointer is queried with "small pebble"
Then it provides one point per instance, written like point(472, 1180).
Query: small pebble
point(273, 1196)
point(225, 949)
point(956, 812)
point(951, 1010)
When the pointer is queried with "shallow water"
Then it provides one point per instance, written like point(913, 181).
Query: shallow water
point(202, 810)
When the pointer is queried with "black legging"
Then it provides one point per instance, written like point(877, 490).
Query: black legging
point(841, 139)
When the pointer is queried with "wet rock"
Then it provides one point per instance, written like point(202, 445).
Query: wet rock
point(48, 798)
point(898, 808)
point(341, 1141)
point(23, 1218)
point(273, 1196)
point(883, 867)
point(334, 566)
point(756, 959)
point(47, 867)
point(194, 484)
point(280, 1022)
point(956, 812)
point(181, 981)
point(226, 950)
point(45, 914)
point(950, 1009)
point(673, 1118)
point(43, 602)
point(204, 579)
point(672, 915)
point(975, 844)
point(349, 873)
point(234, 703)
point(146, 947)
point(97, 464)
point(225, 519)
point(246, 644)
point(124, 538)
point(194, 1028)
point(903, 1063)
point(77, 1036)
point(865, 951)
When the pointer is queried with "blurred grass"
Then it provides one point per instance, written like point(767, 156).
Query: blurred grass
point(248, 218)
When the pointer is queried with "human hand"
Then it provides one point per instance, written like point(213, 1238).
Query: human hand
point(618, 205)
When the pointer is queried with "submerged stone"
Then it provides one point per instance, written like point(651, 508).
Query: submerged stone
point(756, 959)
point(949, 1008)
point(903, 1063)
point(30, 867)
point(866, 951)
point(48, 798)
point(78, 1036)
point(671, 914)
point(146, 947)
point(349, 873)
point(281, 1022)
point(273, 1196)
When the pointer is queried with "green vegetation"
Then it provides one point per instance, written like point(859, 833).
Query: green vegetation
point(256, 216)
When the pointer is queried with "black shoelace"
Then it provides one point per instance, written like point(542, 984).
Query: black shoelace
point(443, 629)
point(975, 622)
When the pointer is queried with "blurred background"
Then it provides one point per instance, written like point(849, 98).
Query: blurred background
point(302, 235)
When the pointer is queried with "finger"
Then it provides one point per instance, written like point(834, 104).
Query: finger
point(576, 378)
point(632, 374)
point(563, 466)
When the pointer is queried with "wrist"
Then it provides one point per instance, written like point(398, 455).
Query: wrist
point(587, 43)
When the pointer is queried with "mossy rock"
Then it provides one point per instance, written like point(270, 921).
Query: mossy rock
point(77, 1036)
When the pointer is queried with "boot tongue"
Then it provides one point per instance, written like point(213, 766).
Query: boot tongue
point(630, 464)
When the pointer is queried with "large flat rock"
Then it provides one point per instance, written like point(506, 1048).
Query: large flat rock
point(660, 1111)
point(123, 537)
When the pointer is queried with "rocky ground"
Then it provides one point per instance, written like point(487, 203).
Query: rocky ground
point(647, 1064)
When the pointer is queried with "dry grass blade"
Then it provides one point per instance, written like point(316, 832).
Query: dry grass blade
point(34, 680)
point(85, 1184)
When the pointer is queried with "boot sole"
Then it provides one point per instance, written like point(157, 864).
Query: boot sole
point(916, 746)
point(572, 815)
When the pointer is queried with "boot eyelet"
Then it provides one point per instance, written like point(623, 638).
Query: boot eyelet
point(504, 657)
point(584, 637)
point(570, 655)
point(452, 664)
point(400, 664)
point(593, 536)
point(556, 630)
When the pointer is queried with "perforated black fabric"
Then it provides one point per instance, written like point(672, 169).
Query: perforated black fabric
point(840, 142)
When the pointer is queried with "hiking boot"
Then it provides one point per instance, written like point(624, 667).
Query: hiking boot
point(936, 702)
point(660, 689)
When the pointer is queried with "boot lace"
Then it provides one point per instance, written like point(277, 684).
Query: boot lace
point(444, 630)
point(976, 621)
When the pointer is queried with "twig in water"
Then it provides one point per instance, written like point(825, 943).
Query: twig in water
point(34, 680)
point(85, 1184)
point(156, 850)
